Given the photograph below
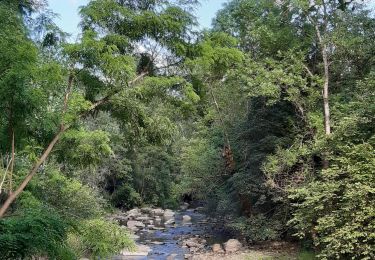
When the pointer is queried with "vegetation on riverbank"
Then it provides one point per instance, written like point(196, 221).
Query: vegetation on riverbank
point(268, 117)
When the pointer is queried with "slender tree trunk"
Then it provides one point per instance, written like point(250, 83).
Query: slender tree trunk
point(12, 162)
point(31, 174)
point(327, 122)
point(325, 92)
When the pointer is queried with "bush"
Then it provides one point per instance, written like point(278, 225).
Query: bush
point(34, 233)
point(99, 238)
point(256, 228)
point(337, 210)
point(126, 197)
point(68, 196)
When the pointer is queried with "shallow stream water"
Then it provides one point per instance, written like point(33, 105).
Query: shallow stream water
point(167, 242)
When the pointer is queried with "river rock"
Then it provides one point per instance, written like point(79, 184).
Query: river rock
point(134, 225)
point(171, 257)
point(158, 243)
point(141, 250)
point(157, 212)
point(133, 214)
point(216, 248)
point(134, 236)
point(194, 244)
point(158, 221)
point(232, 245)
point(170, 222)
point(168, 214)
point(143, 218)
point(186, 218)
point(158, 228)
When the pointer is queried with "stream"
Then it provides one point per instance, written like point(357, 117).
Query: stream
point(165, 241)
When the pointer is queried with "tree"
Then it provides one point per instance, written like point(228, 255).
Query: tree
point(108, 61)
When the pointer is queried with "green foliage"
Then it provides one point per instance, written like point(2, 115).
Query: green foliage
point(16, 94)
point(84, 148)
point(232, 116)
point(262, 27)
point(39, 232)
point(215, 54)
point(200, 160)
point(67, 196)
point(125, 197)
point(256, 228)
point(336, 209)
point(100, 238)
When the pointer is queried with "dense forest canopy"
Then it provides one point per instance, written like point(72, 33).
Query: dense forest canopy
point(267, 117)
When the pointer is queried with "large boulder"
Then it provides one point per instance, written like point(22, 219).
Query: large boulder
point(232, 245)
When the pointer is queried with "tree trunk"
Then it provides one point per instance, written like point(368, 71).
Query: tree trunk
point(31, 174)
point(327, 123)
point(12, 162)
point(326, 110)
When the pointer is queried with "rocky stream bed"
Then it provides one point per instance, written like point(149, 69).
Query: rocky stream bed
point(184, 234)
point(166, 234)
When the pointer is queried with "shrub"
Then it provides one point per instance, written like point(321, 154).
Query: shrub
point(256, 228)
point(337, 210)
point(39, 232)
point(126, 197)
point(100, 238)
point(68, 196)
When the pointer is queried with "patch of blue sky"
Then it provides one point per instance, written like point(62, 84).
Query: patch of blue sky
point(68, 13)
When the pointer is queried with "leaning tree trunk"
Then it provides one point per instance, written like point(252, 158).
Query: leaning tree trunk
point(31, 174)
point(56, 138)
